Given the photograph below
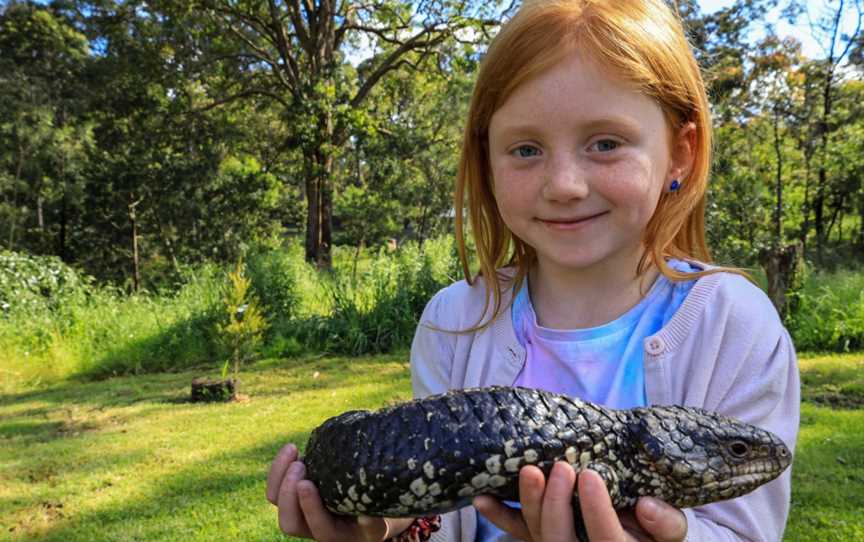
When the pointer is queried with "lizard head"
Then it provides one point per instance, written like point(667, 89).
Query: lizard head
point(689, 457)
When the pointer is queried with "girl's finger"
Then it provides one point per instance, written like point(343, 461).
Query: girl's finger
point(321, 522)
point(601, 520)
point(532, 484)
point(291, 519)
point(502, 516)
point(557, 515)
point(374, 529)
point(286, 456)
point(663, 522)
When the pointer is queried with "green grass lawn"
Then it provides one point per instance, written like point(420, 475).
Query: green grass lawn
point(129, 459)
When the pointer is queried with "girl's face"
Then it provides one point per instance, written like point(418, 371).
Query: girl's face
point(579, 160)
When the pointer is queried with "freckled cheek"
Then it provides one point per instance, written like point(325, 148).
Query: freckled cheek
point(633, 188)
point(513, 196)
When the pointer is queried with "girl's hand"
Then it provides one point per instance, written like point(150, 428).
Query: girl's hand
point(547, 516)
point(301, 512)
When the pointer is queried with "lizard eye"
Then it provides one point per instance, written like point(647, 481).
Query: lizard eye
point(739, 448)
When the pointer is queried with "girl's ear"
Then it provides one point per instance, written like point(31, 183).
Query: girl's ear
point(683, 151)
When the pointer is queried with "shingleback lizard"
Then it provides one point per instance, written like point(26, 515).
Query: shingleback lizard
point(434, 455)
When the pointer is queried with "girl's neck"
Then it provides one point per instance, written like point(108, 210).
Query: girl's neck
point(587, 297)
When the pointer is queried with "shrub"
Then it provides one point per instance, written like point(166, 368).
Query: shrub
point(379, 312)
point(829, 313)
point(275, 276)
point(37, 283)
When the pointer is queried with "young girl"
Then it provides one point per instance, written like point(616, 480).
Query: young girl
point(585, 163)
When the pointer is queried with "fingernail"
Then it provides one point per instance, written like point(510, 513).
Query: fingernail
point(650, 509)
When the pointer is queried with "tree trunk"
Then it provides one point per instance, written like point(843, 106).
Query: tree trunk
point(136, 271)
point(819, 201)
point(819, 213)
point(319, 197)
point(313, 231)
point(13, 219)
point(325, 255)
point(805, 207)
point(61, 235)
point(783, 270)
point(838, 211)
point(840, 227)
point(861, 223)
point(169, 245)
point(778, 208)
point(40, 213)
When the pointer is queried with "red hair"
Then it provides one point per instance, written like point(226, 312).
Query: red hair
point(641, 41)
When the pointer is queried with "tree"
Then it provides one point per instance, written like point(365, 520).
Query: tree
point(837, 46)
point(294, 53)
point(775, 81)
point(44, 130)
point(407, 154)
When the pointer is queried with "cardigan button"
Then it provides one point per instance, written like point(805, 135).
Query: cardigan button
point(655, 346)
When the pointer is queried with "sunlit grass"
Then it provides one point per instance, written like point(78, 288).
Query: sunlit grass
point(828, 472)
point(128, 459)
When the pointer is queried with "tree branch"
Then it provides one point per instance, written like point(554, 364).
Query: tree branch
point(244, 94)
point(284, 48)
point(392, 61)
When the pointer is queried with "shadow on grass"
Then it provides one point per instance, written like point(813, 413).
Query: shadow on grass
point(836, 383)
point(218, 497)
point(187, 502)
point(311, 373)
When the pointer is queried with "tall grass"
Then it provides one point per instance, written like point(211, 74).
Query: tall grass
point(377, 311)
point(829, 315)
point(71, 327)
point(106, 332)
point(102, 331)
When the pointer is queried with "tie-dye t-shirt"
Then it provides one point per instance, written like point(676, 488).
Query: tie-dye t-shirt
point(600, 364)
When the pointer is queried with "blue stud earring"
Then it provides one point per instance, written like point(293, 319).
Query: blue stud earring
point(674, 186)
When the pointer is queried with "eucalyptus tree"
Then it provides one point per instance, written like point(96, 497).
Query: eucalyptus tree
point(296, 53)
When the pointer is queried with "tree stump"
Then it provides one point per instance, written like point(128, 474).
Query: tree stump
point(207, 390)
point(783, 270)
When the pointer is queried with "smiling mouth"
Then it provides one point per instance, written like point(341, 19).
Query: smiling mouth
point(566, 221)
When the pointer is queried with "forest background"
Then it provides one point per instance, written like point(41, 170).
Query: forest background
point(148, 147)
point(190, 184)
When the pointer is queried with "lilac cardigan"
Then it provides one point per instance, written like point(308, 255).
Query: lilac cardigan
point(725, 349)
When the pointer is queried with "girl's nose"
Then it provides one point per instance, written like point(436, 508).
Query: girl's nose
point(564, 180)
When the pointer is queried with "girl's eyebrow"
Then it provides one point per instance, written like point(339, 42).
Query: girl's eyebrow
point(612, 122)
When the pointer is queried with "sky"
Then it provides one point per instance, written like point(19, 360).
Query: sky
point(801, 29)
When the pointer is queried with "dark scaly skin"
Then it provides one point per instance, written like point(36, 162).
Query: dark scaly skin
point(435, 455)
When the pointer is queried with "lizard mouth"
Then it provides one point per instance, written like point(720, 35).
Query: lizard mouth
point(742, 480)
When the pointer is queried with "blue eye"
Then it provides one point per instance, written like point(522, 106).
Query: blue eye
point(519, 151)
point(606, 145)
